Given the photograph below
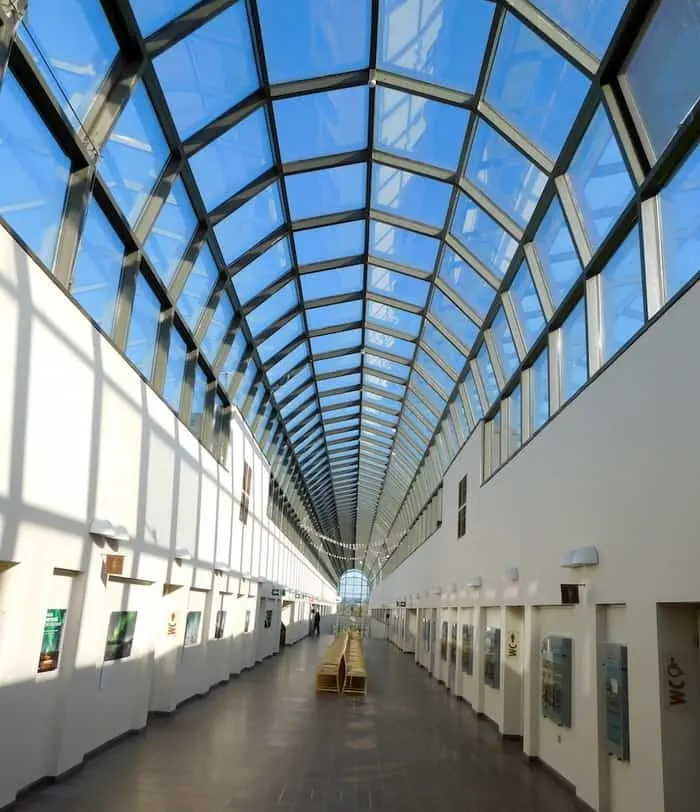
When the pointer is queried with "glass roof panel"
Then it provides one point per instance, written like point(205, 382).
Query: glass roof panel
point(332, 282)
point(500, 170)
point(387, 418)
point(403, 246)
point(557, 253)
point(135, 153)
point(599, 178)
point(234, 159)
point(534, 87)
point(337, 363)
point(291, 360)
point(329, 315)
point(344, 412)
point(262, 272)
point(429, 405)
point(504, 343)
point(411, 196)
point(456, 323)
point(293, 383)
point(443, 348)
point(397, 285)
point(441, 41)
point(305, 38)
point(381, 401)
point(330, 242)
point(335, 400)
point(390, 344)
point(245, 384)
point(393, 318)
point(209, 71)
point(336, 341)
point(326, 191)
point(73, 47)
point(301, 418)
point(419, 128)
point(483, 236)
point(431, 395)
point(322, 123)
point(473, 396)
point(296, 402)
point(250, 223)
point(591, 22)
point(377, 362)
point(273, 308)
point(219, 325)
point(233, 359)
point(280, 339)
point(431, 370)
point(470, 286)
point(255, 405)
point(154, 14)
point(488, 376)
point(339, 382)
point(171, 232)
point(378, 382)
point(526, 302)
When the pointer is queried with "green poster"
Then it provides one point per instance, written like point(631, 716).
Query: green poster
point(51, 640)
point(192, 624)
point(120, 635)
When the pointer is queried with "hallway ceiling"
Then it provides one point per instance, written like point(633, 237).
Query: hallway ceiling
point(369, 176)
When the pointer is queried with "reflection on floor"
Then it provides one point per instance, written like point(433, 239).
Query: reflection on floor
point(267, 741)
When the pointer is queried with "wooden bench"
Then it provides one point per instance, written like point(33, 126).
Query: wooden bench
point(355, 672)
point(331, 671)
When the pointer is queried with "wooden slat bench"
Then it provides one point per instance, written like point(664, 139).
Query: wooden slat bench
point(330, 673)
point(355, 672)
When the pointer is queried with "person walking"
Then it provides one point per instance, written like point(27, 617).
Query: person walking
point(317, 624)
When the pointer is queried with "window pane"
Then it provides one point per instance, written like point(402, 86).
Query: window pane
point(208, 71)
point(322, 123)
point(218, 327)
point(336, 341)
point(175, 370)
point(473, 396)
point(456, 323)
point(393, 318)
point(397, 285)
point(539, 391)
point(515, 418)
point(403, 246)
point(419, 128)
point(574, 352)
point(470, 286)
point(134, 155)
point(526, 302)
point(326, 191)
point(198, 288)
point(504, 342)
point(143, 329)
point(557, 253)
point(233, 160)
point(332, 282)
point(488, 376)
point(390, 344)
point(432, 372)
point(591, 22)
point(309, 38)
point(385, 365)
point(245, 384)
point(34, 173)
point(273, 308)
point(263, 271)
point(98, 267)
point(481, 234)
point(411, 196)
point(534, 87)
point(599, 178)
point(154, 14)
point(249, 224)
point(330, 242)
point(171, 232)
point(662, 73)
point(291, 360)
point(443, 348)
point(329, 315)
point(232, 360)
point(622, 301)
point(441, 42)
point(504, 174)
point(78, 45)
point(679, 203)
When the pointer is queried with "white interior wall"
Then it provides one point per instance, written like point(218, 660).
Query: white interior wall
point(82, 437)
point(617, 468)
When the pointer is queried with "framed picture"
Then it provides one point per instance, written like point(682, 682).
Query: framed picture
point(51, 640)
point(246, 625)
point(268, 618)
point(192, 624)
point(120, 635)
point(220, 624)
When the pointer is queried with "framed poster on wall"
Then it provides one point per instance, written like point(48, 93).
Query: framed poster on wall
point(492, 657)
point(51, 640)
point(453, 643)
point(268, 618)
point(246, 625)
point(220, 624)
point(192, 624)
point(468, 649)
point(443, 641)
point(120, 635)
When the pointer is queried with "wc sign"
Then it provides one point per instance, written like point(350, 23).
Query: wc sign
point(675, 684)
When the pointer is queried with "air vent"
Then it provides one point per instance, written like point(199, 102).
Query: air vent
point(570, 594)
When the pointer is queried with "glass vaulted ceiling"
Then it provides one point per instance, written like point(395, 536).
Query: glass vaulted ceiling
point(354, 214)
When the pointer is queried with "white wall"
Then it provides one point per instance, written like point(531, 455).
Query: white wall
point(618, 469)
point(82, 437)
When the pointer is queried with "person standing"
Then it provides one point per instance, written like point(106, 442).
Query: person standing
point(317, 624)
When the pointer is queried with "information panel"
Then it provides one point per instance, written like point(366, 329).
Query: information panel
point(492, 657)
point(614, 664)
point(468, 649)
point(556, 679)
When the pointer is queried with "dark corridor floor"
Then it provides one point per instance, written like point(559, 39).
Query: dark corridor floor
point(265, 741)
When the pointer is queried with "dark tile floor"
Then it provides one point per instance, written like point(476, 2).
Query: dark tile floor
point(266, 741)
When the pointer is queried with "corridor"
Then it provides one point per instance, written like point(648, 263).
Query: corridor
point(266, 741)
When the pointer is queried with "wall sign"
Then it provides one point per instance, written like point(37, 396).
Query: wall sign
point(492, 657)
point(675, 683)
point(613, 659)
point(512, 644)
point(556, 679)
point(51, 640)
point(113, 565)
point(172, 624)
point(192, 624)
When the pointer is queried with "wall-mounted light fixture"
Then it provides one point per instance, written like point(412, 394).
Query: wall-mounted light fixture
point(183, 554)
point(475, 582)
point(580, 557)
point(105, 529)
point(512, 574)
